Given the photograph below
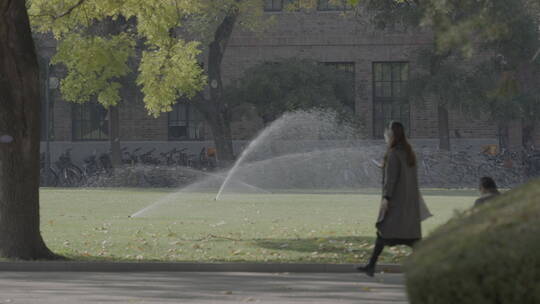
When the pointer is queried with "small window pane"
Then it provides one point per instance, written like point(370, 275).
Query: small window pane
point(404, 72)
point(76, 129)
point(387, 72)
point(378, 89)
point(396, 72)
point(378, 71)
point(85, 112)
point(386, 89)
point(273, 5)
point(181, 111)
point(104, 130)
point(396, 89)
point(378, 119)
point(177, 131)
point(388, 114)
point(396, 111)
point(333, 5)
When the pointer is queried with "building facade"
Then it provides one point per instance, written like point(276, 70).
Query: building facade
point(381, 63)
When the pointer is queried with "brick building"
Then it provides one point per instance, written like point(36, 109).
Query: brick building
point(379, 61)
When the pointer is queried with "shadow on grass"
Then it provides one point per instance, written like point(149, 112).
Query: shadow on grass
point(328, 249)
point(338, 244)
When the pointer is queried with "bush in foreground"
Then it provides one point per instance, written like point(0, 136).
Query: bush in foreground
point(487, 255)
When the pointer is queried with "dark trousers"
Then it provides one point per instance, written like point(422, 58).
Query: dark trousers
point(381, 242)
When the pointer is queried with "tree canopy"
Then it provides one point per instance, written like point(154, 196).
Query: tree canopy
point(498, 41)
point(293, 84)
point(164, 43)
point(166, 37)
point(506, 35)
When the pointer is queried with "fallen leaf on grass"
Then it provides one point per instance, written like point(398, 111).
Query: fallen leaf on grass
point(171, 234)
point(218, 224)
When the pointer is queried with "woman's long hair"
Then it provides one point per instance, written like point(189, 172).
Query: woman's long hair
point(399, 138)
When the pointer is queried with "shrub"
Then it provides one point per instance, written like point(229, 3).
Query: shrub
point(485, 255)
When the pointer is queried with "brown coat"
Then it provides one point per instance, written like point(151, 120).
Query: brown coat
point(400, 183)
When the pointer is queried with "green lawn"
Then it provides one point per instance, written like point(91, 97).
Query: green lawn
point(94, 224)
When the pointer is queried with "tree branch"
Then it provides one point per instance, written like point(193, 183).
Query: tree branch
point(216, 52)
point(67, 12)
point(70, 9)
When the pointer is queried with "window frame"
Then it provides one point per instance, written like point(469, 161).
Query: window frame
point(272, 9)
point(336, 64)
point(188, 120)
point(391, 101)
point(332, 7)
point(79, 137)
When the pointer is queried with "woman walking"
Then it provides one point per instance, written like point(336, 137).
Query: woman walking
point(399, 215)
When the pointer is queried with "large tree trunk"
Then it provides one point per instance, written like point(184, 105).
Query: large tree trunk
point(502, 134)
point(219, 116)
point(444, 129)
point(442, 107)
point(114, 136)
point(20, 235)
point(221, 130)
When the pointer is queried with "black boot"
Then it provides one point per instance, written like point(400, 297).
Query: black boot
point(367, 269)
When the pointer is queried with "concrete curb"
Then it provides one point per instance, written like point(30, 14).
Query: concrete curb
point(187, 267)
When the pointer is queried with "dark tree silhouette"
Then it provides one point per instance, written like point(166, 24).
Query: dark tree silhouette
point(20, 235)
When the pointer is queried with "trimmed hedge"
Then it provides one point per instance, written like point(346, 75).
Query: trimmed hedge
point(485, 255)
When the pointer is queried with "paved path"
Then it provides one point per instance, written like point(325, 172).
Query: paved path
point(199, 287)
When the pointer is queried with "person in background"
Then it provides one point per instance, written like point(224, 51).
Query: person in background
point(400, 215)
point(488, 190)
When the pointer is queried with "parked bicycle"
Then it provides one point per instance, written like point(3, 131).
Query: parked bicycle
point(69, 174)
point(149, 159)
point(174, 157)
point(96, 166)
point(130, 158)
